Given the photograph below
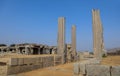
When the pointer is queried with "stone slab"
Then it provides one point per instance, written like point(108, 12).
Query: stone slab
point(115, 71)
point(82, 68)
point(36, 60)
point(76, 68)
point(13, 61)
point(13, 70)
point(97, 70)
point(29, 61)
point(20, 61)
point(3, 70)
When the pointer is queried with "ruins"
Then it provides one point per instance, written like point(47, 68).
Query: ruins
point(61, 38)
point(69, 53)
point(18, 58)
point(98, 44)
point(73, 42)
point(3, 48)
point(93, 66)
point(28, 49)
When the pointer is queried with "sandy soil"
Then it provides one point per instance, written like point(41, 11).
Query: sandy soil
point(61, 70)
point(111, 60)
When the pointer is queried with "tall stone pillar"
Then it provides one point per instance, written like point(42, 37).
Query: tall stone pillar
point(73, 41)
point(98, 44)
point(61, 38)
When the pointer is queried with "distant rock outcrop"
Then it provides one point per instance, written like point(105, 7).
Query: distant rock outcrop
point(114, 51)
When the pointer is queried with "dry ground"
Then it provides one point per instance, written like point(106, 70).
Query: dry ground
point(111, 60)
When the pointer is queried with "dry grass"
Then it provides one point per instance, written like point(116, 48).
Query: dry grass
point(111, 60)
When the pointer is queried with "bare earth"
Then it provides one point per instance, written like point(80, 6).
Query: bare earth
point(67, 69)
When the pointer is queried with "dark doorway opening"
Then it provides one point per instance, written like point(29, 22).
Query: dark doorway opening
point(50, 51)
point(35, 51)
point(41, 50)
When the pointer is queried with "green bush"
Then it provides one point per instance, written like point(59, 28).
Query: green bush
point(104, 56)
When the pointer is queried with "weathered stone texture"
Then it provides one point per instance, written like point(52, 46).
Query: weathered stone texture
point(61, 38)
point(98, 42)
point(3, 70)
point(20, 61)
point(74, 41)
point(13, 61)
point(76, 68)
point(115, 71)
point(18, 65)
point(98, 70)
point(82, 68)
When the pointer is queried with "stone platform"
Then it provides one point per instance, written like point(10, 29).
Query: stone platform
point(20, 64)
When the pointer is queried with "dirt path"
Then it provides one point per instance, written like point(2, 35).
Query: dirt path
point(61, 70)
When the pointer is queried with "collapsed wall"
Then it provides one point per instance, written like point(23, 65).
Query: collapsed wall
point(28, 63)
point(92, 67)
point(27, 49)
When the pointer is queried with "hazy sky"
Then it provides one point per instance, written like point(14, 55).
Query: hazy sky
point(36, 21)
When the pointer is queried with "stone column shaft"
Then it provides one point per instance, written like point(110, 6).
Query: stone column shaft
point(61, 38)
point(74, 41)
point(98, 44)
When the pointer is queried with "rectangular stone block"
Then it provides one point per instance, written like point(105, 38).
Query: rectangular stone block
point(35, 67)
point(76, 68)
point(20, 61)
point(115, 71)
point(13, 70)
point(29, 61)
point(40, 59)
point(35, 60)
point(26, 68)
point(13, 61)
point(82, 68)
point(97, 70)
point(41, 65)
point(3, 70)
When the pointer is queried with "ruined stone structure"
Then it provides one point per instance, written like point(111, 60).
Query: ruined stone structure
point(69, 53)
point(61, 38)
point(28, 49)
point(73, 41)
point(93, 67)
point(98, 44)
point(23, 63)
point(3, 48)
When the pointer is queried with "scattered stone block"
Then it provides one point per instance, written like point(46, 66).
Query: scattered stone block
point(82, 68)
point(97, 70)
point(76, 68)
point(115, 71)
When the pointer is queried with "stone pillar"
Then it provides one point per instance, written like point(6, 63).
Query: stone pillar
point(61, 38)
point(17, 50)
point(98, 44)
point(74, 42)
